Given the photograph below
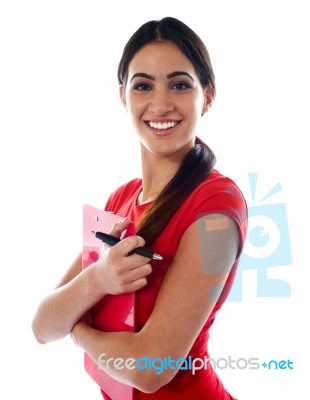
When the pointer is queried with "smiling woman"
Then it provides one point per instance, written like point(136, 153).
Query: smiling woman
point(183, 208)
point(160, 93)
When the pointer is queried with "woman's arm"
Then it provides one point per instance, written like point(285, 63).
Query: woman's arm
point(115, 272)
point(188, 294)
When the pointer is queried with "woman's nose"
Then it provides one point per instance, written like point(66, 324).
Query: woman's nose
point(161, 102)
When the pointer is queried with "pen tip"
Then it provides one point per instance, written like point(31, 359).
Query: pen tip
point(93, 233)
point(157, 257)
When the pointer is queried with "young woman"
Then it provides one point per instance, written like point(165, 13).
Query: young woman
point(183, 208)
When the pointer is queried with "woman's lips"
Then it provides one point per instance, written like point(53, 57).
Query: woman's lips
point(162, 128)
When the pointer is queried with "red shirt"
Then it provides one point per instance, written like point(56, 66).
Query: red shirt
point(217, 194)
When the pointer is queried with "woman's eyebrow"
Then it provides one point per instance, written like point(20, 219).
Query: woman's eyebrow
point(178, 73)
point(142, 75)
point(152, 78)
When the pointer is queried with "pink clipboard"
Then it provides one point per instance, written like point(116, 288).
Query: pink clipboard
point(112, 313)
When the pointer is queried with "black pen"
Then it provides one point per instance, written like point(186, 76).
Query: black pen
point(112, 240)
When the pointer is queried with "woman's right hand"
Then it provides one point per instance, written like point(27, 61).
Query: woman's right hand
point(118, 271)
point(115, 272)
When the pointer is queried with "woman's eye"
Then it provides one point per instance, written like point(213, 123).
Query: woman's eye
point(142, 87)
point(181, 86)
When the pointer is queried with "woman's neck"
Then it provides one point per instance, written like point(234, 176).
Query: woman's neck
point(153, 183)
point(157, 171)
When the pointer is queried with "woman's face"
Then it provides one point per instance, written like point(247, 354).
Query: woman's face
point(164, 98)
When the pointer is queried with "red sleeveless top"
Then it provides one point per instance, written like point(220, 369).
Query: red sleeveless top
point(217, 194)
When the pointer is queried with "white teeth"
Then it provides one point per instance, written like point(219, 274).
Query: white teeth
point(164, 125)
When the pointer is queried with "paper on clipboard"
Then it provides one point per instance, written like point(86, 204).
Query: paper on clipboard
point(113, 313)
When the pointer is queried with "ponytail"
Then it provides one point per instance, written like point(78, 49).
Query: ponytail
point(195, 168)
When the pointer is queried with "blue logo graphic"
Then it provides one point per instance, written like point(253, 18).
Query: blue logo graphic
point(267, 245)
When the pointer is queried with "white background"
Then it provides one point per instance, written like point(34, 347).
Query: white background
point(65, 140)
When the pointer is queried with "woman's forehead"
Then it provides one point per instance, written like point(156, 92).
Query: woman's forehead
point(160, 58)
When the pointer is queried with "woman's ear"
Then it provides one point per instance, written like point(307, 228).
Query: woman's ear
point(209, 96)
point(122, 95)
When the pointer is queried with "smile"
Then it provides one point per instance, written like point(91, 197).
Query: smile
point(162, 125)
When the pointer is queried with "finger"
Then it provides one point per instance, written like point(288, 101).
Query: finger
point(141, 272)
point(133, 261)
point(126, 246)
point(136, 285)
point(118, 228)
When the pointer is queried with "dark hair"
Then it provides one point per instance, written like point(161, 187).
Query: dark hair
point(199, 161)
point(176, 31)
